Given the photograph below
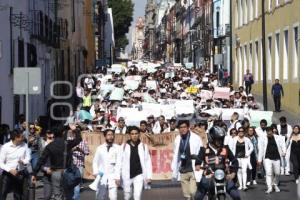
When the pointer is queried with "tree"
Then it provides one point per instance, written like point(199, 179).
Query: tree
point(122, 11)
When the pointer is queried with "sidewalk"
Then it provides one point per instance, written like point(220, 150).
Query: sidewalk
point(292, 118)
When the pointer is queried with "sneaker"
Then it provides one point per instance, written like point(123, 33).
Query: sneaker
point(248, 183)
point(245, 188)
point(282, 172)
point(287, 173)
point(240, 188)
point(269, 190)
point(254, 182)
point(276, 188)
point(297, 181)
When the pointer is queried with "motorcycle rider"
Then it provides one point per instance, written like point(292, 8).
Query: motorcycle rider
point(217, 156)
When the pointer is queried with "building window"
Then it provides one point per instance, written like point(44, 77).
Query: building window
point(250, 58)
point(245, 12)
point(269, 58)
point(245, 59)
point(0, 110)
point(241, 15)
point(270, 5)
point(277, 55)
point(256, 8)
point(240, 66)
point(277, 3)
point(256, 61)
point(285, 55)
point(237, 14)
point(295, 53)
point(251, 2)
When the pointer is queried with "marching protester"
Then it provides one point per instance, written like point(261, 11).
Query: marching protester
point(14, 158)
point(46, 167)
point(107, 167)
point(136, 165)
point(285, 131)
point(253, 156)
point(121, 126)
point(79, 153)
point(56, 151)
point(34, 143)
point(186, 145)
point(214, 157)
point(242, 148)
point(295, 152)
point(271, 147)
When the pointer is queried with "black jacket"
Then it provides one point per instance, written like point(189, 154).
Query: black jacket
point(55, 152)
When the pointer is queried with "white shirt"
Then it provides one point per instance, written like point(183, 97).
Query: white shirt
point(11, 154)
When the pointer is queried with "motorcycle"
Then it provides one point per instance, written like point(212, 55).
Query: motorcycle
point(218, 178)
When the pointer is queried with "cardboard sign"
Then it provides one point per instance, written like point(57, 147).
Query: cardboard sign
point(256, 116)
point(184, 107)
point(152, 85)
point(131, 84)
point(221, 93)
point(117, 94)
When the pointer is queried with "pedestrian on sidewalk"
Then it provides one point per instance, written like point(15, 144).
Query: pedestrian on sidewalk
point(34, 143)
point(248, 79)
point(277, 92)
point(271, 148)
point(136, 165)
point(107, 166)
point(251, 134)
point(186, 144)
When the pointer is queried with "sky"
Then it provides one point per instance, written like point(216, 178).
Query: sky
point(139, 11)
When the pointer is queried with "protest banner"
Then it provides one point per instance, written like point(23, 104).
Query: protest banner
point(117, 94)
point(160, 147)
point(221, 93)
point(257, 115)
point(184, 107)
point(131, 84)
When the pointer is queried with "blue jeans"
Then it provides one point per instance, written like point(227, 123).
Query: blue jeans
point(34, 159)
point(206, 185)
point(76, 195)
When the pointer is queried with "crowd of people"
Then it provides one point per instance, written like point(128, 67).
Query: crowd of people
point(205, 142)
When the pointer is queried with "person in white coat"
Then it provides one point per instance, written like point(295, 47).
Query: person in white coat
point(242, 148)
point(285, 131)
point(183, 166)
point(107, 165)
point(271, 148)
point(234, 122)
point(136, 165)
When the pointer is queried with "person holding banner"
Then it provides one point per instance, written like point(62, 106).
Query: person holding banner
point(183, 166)
point(136, 165)
point(107, 168)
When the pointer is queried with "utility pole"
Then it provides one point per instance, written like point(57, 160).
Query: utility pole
point(230, 37)
point(264, 69)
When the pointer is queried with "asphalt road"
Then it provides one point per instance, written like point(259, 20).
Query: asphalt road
point(165, 191)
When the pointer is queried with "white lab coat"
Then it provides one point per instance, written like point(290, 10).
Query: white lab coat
point(263, 143)
point(145, 160)
point(286, 159)
point(248, 146)
point(109, 163)
point(195, 145)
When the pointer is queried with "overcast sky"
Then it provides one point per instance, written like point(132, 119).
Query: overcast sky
point(139, 11)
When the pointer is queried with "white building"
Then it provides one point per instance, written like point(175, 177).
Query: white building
point(110, 36)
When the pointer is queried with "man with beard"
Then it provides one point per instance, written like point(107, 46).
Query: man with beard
point(136, 165)
point(107, 166)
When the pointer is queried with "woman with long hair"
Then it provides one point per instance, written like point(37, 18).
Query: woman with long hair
point(251, 134)
point(295, 151)
point(242, 148)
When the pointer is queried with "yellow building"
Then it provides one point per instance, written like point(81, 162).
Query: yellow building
point(282, 46)
point(90, 34)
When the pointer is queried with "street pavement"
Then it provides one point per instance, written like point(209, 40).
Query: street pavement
point(165, 191)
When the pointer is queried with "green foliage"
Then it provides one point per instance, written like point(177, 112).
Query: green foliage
point(123, 16)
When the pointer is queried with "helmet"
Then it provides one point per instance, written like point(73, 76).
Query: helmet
point(216, 133)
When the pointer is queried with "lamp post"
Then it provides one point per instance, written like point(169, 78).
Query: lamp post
point(264, 69)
